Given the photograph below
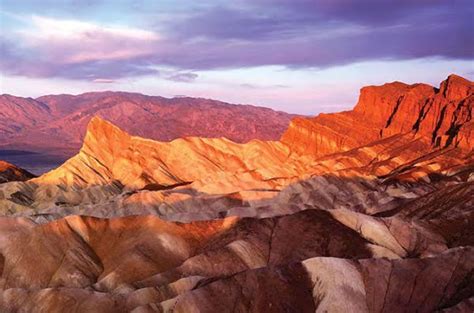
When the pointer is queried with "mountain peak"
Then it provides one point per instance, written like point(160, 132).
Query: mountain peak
point(441, 117)
point(456, 87)
point(101, 135)
point(99, 123)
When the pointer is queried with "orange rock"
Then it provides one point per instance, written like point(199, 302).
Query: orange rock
point(443, 115)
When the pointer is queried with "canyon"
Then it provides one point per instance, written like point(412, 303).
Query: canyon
point(368, 210)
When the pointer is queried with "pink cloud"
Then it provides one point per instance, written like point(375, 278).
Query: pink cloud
point(71, 41)
point(103, 81)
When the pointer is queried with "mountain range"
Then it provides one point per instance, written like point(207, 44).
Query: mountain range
point(369, 210)
point(57, 123)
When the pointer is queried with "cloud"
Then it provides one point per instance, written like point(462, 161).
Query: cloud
point(182, 77)
point(76, 49)
point(322, 34)
point(255, 86)
point(103, 81)
point(70, 41)
point(295, 34)
point(223, 23)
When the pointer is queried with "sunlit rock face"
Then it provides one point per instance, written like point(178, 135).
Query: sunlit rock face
point(369, 210)
point(443, 115)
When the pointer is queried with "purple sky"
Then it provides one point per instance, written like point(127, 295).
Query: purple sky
point(296, 55)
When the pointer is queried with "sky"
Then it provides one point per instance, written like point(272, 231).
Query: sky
point(299, 56)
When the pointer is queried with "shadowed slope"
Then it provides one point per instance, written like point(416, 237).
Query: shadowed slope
point(300, 262)
point(9, 172)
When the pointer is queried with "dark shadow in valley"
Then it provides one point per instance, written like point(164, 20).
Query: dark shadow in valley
point(37, 163)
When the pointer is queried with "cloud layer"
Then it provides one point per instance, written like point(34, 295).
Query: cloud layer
point(299, 34)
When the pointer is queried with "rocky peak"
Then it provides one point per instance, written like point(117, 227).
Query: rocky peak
point(443, 117)
point(456, 88)
point(104, 138)
point(378, 100)
point(380, 105)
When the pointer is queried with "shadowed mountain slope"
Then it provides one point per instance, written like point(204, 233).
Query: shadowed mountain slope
point(9, 172)
point(299, 263)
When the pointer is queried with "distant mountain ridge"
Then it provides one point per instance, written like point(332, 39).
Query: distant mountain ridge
point(58, 122)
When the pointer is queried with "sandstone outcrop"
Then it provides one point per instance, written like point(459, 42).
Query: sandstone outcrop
point(443, 115)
